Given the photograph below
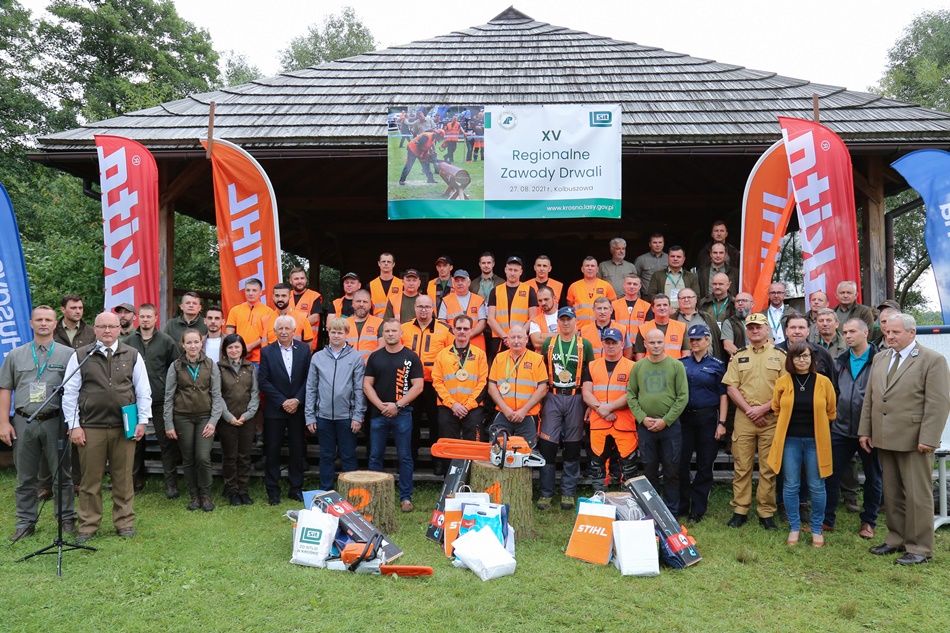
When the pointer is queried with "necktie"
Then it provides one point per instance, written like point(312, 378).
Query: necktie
point(109, 354)
point(893, 370)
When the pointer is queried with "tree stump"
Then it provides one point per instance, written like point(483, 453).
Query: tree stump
point(371, 493)
point(507, 485)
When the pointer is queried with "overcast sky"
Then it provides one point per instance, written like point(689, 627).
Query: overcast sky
point(836, 42)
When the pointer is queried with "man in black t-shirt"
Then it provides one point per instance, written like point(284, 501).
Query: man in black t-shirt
point(392, 381)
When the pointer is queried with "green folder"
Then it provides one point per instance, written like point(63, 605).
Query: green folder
point(130, 418)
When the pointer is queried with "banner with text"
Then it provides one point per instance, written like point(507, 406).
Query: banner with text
point(767, 207)
point(505, 162)
point(128, 179)
point(928, 171)
point(820, 167)
point(15, 304)
point(246, 215)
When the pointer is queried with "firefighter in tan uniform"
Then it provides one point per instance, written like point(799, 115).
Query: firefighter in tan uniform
point(750, 381)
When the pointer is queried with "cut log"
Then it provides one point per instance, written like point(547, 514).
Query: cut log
point(373, 494)
point(507, 485)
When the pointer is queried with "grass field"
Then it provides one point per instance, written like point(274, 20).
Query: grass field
point(228, 570)
point(416, 187)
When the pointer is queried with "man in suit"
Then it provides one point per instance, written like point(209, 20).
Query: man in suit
point(282, 378)
point(904, 412)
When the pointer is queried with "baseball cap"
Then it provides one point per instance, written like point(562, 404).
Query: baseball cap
point(515, 260)
point(611, 333)
point(461, 272)
point(444, 260)
point(698, 331)
point(411, 272)
point(124, 306)
point(889, 303)
point(351, 276)
point(566, 312)
point(756, 318)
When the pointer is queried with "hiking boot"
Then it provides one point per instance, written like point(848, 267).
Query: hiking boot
point(235, 499)
point(567, 503)
point(406, 505)
point(195, 504)
point(246, 499)
point(206, 504)
point(23, 532)
point(543, 503)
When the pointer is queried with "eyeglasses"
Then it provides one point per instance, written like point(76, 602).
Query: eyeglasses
point(777, 292)
point(803, 357)
point(423, 307)
point(108, 327)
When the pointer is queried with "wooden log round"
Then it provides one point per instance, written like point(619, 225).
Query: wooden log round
point(373, 494)
point(511, 486)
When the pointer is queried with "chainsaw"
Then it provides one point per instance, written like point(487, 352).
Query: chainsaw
point(504, 451)
point(366, 558)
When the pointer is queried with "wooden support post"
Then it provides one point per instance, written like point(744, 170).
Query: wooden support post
point(166, 250)
point(511, 486)
point(373, 494)
point(874, 218)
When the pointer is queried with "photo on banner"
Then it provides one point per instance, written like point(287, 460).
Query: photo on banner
point(504, 162)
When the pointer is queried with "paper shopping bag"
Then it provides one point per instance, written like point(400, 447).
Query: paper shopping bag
point(635, 552)
point(313, 538)
point(483, 554)
point(453, 514)
point(593, 533)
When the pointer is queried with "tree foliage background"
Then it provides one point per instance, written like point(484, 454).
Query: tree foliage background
point(338, 36)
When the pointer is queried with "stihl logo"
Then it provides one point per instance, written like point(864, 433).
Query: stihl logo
point(592, 529)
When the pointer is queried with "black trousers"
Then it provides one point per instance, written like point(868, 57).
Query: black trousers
point(276, 430)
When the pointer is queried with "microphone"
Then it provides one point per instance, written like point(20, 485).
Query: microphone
point(95, 348)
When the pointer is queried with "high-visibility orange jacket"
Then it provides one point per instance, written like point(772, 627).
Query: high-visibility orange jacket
point(524, 378)
point(592, 334)
point(302, 331)
point(423, 145)
point(675, 335)
point(367, 340)
point(452, 131)
point(453, 308)
point(307, 299)
point(609, 387)
point(426, 342)
point(556, 286)
point(445, 379)
point(380, 298)
point(518, 312)
point(581, 296)
point(634, 317)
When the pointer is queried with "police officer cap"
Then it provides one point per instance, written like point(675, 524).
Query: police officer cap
point(698, 331)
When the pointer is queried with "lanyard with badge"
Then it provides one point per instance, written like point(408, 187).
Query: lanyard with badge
point(462, 373)
point(564, 375)
point(504, 387)
point(37, 388)
point(674, 291)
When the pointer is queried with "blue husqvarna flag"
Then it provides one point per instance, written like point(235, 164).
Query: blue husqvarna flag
point(14, 290)
point(928, 171)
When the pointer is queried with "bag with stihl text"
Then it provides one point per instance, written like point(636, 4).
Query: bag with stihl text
point(453, 514)
point(592, 538)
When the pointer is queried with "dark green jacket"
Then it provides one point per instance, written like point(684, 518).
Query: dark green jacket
point(158, 355)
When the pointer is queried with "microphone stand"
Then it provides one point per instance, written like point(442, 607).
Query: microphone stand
point(60, 545)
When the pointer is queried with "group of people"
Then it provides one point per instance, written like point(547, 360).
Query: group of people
point(427, 130)
point(613, 377)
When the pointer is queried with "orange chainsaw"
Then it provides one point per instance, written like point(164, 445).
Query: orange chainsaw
point(366, 558)
point(504, 451)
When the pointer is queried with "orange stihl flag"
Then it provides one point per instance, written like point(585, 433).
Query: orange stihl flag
point(766, 210)
point(820, 166)
point(246, 214)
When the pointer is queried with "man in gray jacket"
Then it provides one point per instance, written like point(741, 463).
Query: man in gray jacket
point(335, 402)
point(852, 370)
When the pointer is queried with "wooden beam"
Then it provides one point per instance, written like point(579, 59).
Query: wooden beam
point(877, 268)
point(183, 181)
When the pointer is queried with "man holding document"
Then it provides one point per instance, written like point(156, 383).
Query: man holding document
point(112, 382)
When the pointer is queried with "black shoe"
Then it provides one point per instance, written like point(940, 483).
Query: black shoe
point(768, 523)
point(246, 499)
point(172, 492)
point(235, 499)
point(206, 504)
point(737, 520)
point(274, 501)
point(695, 518)
point(913, 559)
point(195, 504)
point(884, 550)
point(295, 496)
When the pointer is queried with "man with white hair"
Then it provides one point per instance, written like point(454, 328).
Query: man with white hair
point(905, 410)
point(616, 269)
point(848, 307)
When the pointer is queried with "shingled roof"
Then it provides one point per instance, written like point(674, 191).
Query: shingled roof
point(669, 100)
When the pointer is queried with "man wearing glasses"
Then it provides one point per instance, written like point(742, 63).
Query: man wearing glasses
point(776, 312)
point(114, 377)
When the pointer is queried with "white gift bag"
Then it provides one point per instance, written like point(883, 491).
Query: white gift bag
point(313, 538)
point(635, 552)
point(483, 554)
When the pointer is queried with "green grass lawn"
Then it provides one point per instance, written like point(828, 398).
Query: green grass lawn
point(416, 187)
point(228, 570)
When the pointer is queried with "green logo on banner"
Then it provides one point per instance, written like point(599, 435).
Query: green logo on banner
point(601, 119)
point(312, 536)
point(487, 120)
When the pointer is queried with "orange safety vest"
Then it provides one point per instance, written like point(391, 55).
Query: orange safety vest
point(338, 307)
point(449, 388)
point(453, 308)
point(583, 298)
point(608, 388)
point(427, 342)
point(542, 322)
point(579, 370)
point(631, 318)
point(368, 340)
point(516, 314)
point(380, 299)
point(303, 331)
point(592, 334)
point(431, 290)
point(675, 335)
point(556, 286)
point(307, 299)
point(422, 144)
point(452, 131)
point(524, 382)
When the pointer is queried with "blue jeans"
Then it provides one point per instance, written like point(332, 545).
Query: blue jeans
point(401, 428)
point(663, 447)
point(842, 450)
point(798, 451)
point(333, 435)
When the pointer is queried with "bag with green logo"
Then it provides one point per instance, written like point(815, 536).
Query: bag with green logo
point(314, 532)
